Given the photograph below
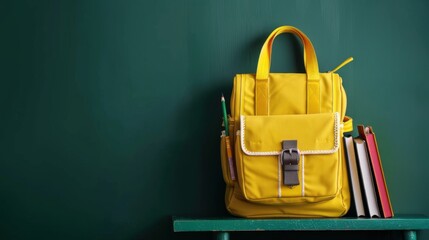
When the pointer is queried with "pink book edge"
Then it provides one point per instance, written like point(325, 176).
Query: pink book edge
point(379, 175)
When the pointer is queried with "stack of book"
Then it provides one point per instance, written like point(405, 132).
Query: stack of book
point(368, 184)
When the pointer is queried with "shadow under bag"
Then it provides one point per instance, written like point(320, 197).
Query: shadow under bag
point(285, 133)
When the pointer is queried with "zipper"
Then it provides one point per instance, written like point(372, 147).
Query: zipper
point(347, 61)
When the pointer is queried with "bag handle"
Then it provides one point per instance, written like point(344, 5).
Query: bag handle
point(263, 70)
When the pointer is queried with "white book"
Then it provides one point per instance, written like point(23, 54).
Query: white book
point(366, 176)
point(354, 176)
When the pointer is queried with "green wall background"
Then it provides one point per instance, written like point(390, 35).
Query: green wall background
point(110, 113)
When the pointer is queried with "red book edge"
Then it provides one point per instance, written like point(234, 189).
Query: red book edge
point(383, 193)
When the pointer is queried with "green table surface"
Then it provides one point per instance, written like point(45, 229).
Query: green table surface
point(400, 222)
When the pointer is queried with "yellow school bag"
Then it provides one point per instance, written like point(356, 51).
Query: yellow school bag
point(285, 136)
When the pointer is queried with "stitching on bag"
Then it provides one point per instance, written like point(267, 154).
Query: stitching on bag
point(273, 153)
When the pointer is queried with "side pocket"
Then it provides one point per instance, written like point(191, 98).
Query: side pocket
point(227, 172)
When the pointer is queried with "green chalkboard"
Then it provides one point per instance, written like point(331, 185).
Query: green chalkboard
point(110, 110)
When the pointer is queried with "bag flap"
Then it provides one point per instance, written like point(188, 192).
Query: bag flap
point(315, 133)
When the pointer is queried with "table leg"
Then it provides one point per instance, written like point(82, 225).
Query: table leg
point(410, 235)
point(222, 235)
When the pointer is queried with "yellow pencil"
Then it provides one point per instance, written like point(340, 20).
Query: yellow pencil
point(230, 159)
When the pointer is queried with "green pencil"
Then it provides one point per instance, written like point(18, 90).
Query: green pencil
point(225, 116)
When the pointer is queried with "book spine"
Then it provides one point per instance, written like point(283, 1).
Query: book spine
point(367, 178)
point(379, 176)
point(354, 176)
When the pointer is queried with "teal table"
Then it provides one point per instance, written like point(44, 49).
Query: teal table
point(409, 224)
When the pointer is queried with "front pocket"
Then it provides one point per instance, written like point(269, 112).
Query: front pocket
point(260, 170)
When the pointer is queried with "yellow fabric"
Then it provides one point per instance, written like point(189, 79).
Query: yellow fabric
point(310, 59)
point(267, 108)
point(317, 132)
point(313, 96)
point(348, 124)
point(262, 97)
point(262, 72)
